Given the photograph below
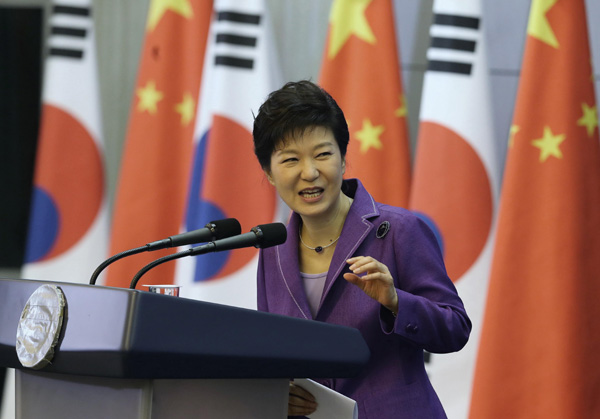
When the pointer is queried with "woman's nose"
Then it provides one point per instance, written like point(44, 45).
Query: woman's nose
point(309, 171)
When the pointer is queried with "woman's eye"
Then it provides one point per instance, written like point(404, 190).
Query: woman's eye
point(325, 154)
point(290, 160)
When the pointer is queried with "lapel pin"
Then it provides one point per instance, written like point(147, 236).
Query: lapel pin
point(383, 229)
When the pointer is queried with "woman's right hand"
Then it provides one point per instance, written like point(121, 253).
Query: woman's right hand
point(301, 402)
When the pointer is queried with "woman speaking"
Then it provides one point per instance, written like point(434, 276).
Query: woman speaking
point(351, 261)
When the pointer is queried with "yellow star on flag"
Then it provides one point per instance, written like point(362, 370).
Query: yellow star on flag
point(148, 98)
point(369, 136)
point(589, 120)
point(549, 144)
point(348, 18)
point(538, 25)
point(513, 131)
point(186, 108)
point(402, 111)
point(159, 7)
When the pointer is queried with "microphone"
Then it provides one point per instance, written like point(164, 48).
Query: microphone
point(261, 237)
point(214, 230)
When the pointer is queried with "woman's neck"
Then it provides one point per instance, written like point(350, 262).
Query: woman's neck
point(320, 231)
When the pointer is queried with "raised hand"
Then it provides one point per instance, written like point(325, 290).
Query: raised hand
point(374, 278)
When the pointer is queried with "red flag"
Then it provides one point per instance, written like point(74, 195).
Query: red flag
point(156, 162)
point(362, 72)
point(456, 177)
point(538, 352)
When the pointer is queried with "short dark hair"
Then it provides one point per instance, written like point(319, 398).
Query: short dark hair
point(290, 111)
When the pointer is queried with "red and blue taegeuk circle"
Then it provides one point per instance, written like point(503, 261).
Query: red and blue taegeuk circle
point(68, 186)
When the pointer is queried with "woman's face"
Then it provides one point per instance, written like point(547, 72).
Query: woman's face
point(307, 172)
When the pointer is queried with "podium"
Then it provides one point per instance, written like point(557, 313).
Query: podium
point(126, 353)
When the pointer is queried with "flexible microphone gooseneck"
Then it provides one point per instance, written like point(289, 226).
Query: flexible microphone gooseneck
point(261, 236)
point(214, 230)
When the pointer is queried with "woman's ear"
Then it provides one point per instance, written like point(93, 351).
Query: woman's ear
point(269, 177)
point(344, 166)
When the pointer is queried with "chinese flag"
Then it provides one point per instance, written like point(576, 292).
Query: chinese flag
point(538, 356)
point(156, 163)
point(456, 177)
point(362, 72)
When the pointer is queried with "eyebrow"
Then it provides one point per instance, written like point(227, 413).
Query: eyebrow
point(292, 150)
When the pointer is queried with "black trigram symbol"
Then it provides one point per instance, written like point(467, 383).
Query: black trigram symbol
point(68, 30)
point(462, 43)
point(237, 39)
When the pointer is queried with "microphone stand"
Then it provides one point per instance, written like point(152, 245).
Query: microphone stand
point(199, 250)
point(116, 257)
point(211, 231)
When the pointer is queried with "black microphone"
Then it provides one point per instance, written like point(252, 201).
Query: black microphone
point(261, 236)
point(214, 230)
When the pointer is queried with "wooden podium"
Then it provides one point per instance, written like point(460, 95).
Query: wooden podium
point(133, 354)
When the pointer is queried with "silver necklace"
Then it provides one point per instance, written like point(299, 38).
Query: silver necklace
point(317, 249)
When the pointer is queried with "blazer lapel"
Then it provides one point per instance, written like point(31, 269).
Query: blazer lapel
point(290, 268)
point(356, 229)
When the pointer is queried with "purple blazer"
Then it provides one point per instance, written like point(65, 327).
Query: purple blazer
point(431, 315)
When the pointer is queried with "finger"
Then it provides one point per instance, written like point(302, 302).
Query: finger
point(356, 279)
point(301, 402)
point(301, 410)
point(362, 280)
point(367, 266)
point(375, 276)
point(357, 261)
point(353, 259)
point(296, 390)
point(352, 278)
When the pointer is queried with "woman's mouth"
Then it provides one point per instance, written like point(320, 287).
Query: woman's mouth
point(311, 193)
